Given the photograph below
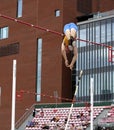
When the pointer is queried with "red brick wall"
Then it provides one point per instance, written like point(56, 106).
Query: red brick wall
point(26, 59)
point(102, 5)
point(96, 5)
point(51, 62)
point(55, 76)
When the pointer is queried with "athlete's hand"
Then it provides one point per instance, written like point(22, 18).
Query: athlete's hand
point(71, 66)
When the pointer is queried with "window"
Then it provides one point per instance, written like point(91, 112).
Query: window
point(9, 49)
point(3, 32)
point(19, 8)
point(39, 67)
point(84, 6)
point(57, 13)
point(93, 59)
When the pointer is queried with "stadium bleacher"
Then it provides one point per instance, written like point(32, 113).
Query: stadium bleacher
point(55, 117)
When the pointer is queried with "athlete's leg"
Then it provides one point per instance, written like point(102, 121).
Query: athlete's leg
point(74, 29)
point(73, 33)
point(67, 31)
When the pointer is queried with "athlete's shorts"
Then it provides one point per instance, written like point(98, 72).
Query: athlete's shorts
point(69, 26)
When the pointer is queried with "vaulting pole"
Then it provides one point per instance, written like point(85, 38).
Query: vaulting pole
point(76, 90)
point(13, 96)
point(91, 92)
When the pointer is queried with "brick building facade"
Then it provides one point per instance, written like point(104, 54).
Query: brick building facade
point(21, 44)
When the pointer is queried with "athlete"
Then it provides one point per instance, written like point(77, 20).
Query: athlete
point(69, 44)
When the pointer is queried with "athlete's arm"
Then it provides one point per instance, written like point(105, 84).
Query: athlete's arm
point(75, 51)
point(63, 51)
